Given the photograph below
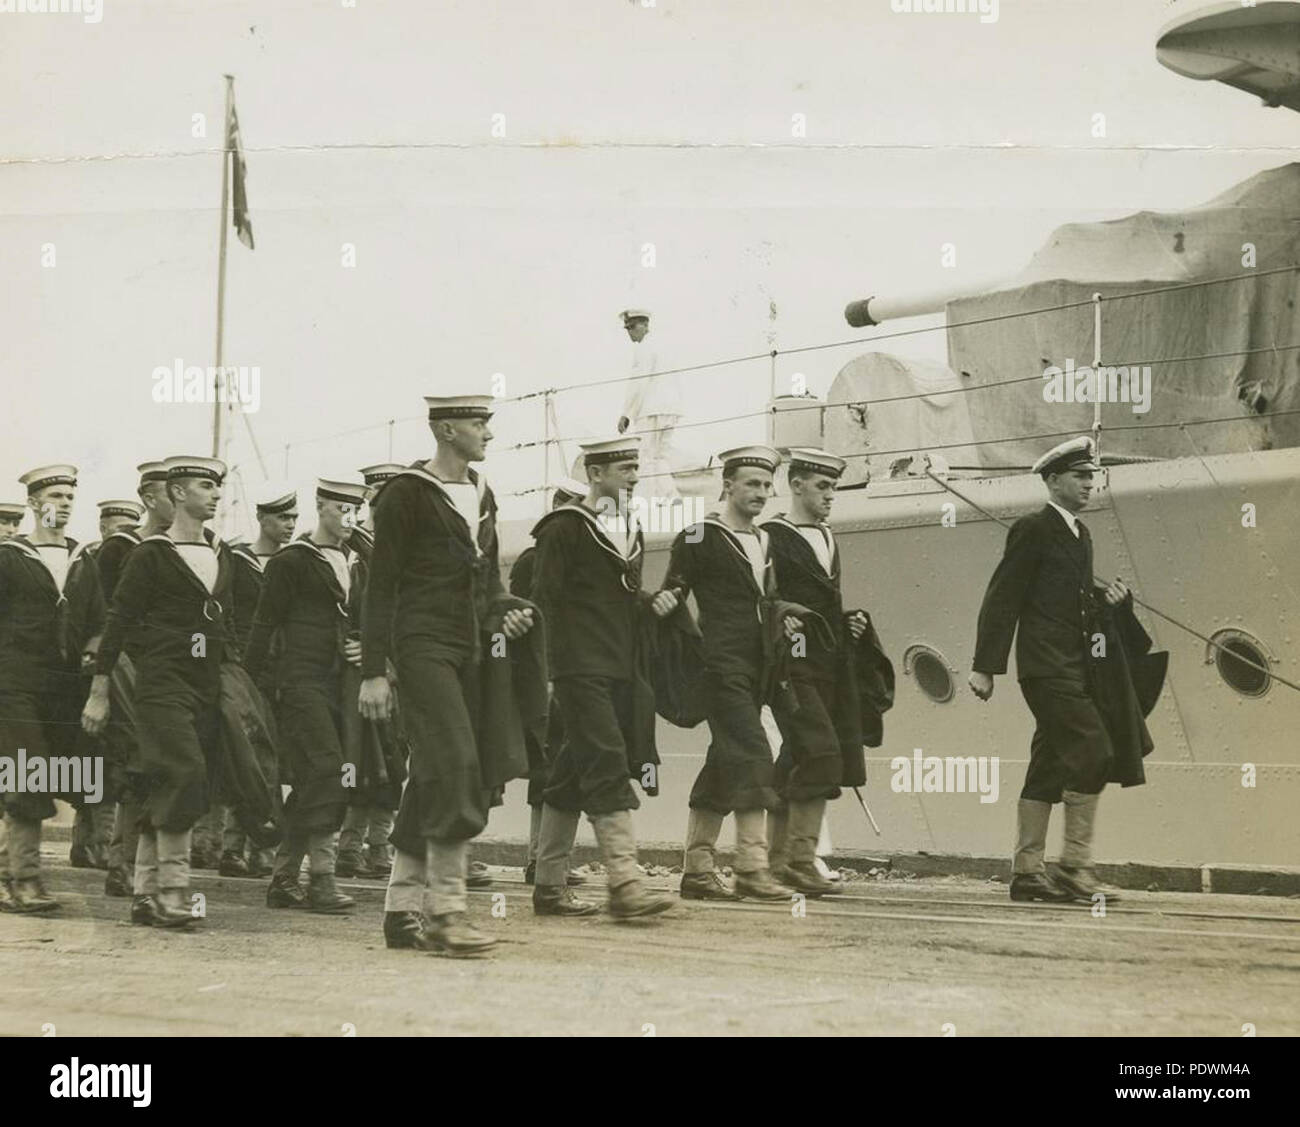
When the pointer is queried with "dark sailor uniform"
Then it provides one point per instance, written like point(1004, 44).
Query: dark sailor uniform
point(179, 633)
point(1044, 584)
point(709, 560)
point(1043, 592)
point(429, 594)
point(823, 738)
point(303, 602)
point(540, 751)
point(43, 631)
point(589, 592)
point(378, 749)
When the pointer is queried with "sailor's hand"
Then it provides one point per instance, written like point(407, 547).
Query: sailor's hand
point(857, 624)
point(791, 626)
point(376, 699)
point(664, 603)
point(981, 684)
point(623, 423)
point(517, 623)
point(94, 717)
point(1116, 593)
point(352, 651)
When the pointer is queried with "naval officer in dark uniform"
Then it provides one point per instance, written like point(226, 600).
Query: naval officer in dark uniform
point(588, 587)
point(175, 597)
point(1044, 586)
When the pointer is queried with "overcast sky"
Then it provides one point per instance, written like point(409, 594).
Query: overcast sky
point(624, 125)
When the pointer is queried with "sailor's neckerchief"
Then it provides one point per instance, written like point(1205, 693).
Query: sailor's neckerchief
point(735, 545)
point(629, 564)
point(831, 544)
point(306, 543)
point(247, 553)
point(75, 551)
point(213, 541)
point(480, 488)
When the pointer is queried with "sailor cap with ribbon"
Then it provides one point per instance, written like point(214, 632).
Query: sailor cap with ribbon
point(11, 511)
point(764, 457)
point(275, 497)
point(380, 472)
point(804, 459)
point(151, 471)
point(622, 449)
point(459, 406)
point(348, 492)
point(132, 509)
point(1075, 454)
point(44, 476)
point(188, 465)
point(633, 314)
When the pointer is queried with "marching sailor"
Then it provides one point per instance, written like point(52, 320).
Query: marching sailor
point(725, 561)
point(818, 755)
point(372, 802)
point(542, 751)
point(1043, 585)
point(51, 616)
point(277, 518)
point(304, 601)
point(173, 600)
point(434, 584)
point(119, 736)
point(92, 827)
point(588, 587)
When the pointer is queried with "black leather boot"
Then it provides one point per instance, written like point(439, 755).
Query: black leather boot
point(1037, 886)
point(284, 891)
point(405, 931)
point(759, 885)
point(552, 900)
point(7, 901)
point(142, 911)
point(325, 898)
point(455, 935)
point(116, 884)
point(1083, 884)
point(233, 865)
point(170, 910)
point(705, 886)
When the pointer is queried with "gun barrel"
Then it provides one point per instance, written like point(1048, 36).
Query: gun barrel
point(876, 310)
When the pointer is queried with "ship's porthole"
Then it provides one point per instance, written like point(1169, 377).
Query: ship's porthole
point(1236, 657)
point(933, 677)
